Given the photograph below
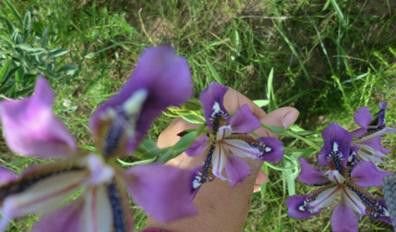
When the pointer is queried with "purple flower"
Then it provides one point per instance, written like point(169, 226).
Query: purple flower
point(228, 141)
point(339, 184)
point(367, 138)
point(31, 129)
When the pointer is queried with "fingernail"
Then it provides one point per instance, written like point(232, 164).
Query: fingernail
point(290, 117)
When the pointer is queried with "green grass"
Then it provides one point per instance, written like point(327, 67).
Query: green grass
point(326, 58)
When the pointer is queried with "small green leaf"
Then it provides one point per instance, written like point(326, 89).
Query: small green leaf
point(57, 52)
point(261, 102)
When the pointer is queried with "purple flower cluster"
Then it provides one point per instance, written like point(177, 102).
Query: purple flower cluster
point(228, 141)
point(30, 128)
point(347, 168)
point(79, 190)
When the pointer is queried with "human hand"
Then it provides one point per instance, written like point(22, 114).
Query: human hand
point(220, 206)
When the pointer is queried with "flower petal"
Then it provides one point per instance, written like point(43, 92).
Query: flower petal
point(366, 174)
point(219, 159)
point(97, 213)
point(164, 192)
point(30, 127)
point(198, 147)
point(6, 176)
point(243, 121)
point(212, 101)
point(41, 196)
point(272, 151)
point(363, 117)
point(264, 148)
point(295, 207)
point(160, 79)
point(337, 141)
point(376, 144)
point(344, 219)
point(310, 175)
point(236, 169)
point(68, 218)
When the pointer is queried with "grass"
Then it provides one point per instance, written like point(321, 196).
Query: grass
point(326, 58)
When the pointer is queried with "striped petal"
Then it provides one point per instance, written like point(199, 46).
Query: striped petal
point(38, 194)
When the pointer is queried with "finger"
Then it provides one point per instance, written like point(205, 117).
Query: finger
point(283, 117)
point(169, 136)
point(234, 99)
point(261, 178)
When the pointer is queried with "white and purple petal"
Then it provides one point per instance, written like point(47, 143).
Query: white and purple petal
point(244, 121)
point(337, 143)
point(45, 195)
point(296, 207)
point(366, 174)
point(344, 219)
point(212, 101)
point(272, 149)
point(164, 192)
point(310, 175)
point(264, 148)
point(30, 127)
point(376, 144)
point(160, 79)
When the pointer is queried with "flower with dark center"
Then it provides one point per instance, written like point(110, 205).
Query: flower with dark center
point(229, 141)
point(367, 138)
point(339, 185)
point(30, 128)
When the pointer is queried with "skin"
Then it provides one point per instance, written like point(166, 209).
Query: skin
point(221, 207)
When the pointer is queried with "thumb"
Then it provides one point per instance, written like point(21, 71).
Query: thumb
point(283, 117)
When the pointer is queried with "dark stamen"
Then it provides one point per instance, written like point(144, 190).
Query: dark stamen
point(117, 208)
point(205, 174)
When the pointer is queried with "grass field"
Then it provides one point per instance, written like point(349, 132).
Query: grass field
point(324, 57)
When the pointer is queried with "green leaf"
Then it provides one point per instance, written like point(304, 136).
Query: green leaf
point(29, 49)
point(213, 72)
point(57, 52)
point(261, 102)
point(4, 70)
point(185, 142)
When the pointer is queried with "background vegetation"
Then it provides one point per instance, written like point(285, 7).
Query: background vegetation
point(324, 57)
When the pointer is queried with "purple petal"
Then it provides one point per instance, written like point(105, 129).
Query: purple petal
point(376, 144)
point(212, 100)
point(363, 117)
point(6, 176)
point(160, 79)
point(30, 128)
point(336, 140)
point(295, 207)
point(366, 174)
point(236, 169)
point(344, 219)
point(358, 133)
point(243, 121)
point(44, 195)
point(310, 175)
point(273, 150)
point(198, 147)
point(68, 218)
point(164, 192)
